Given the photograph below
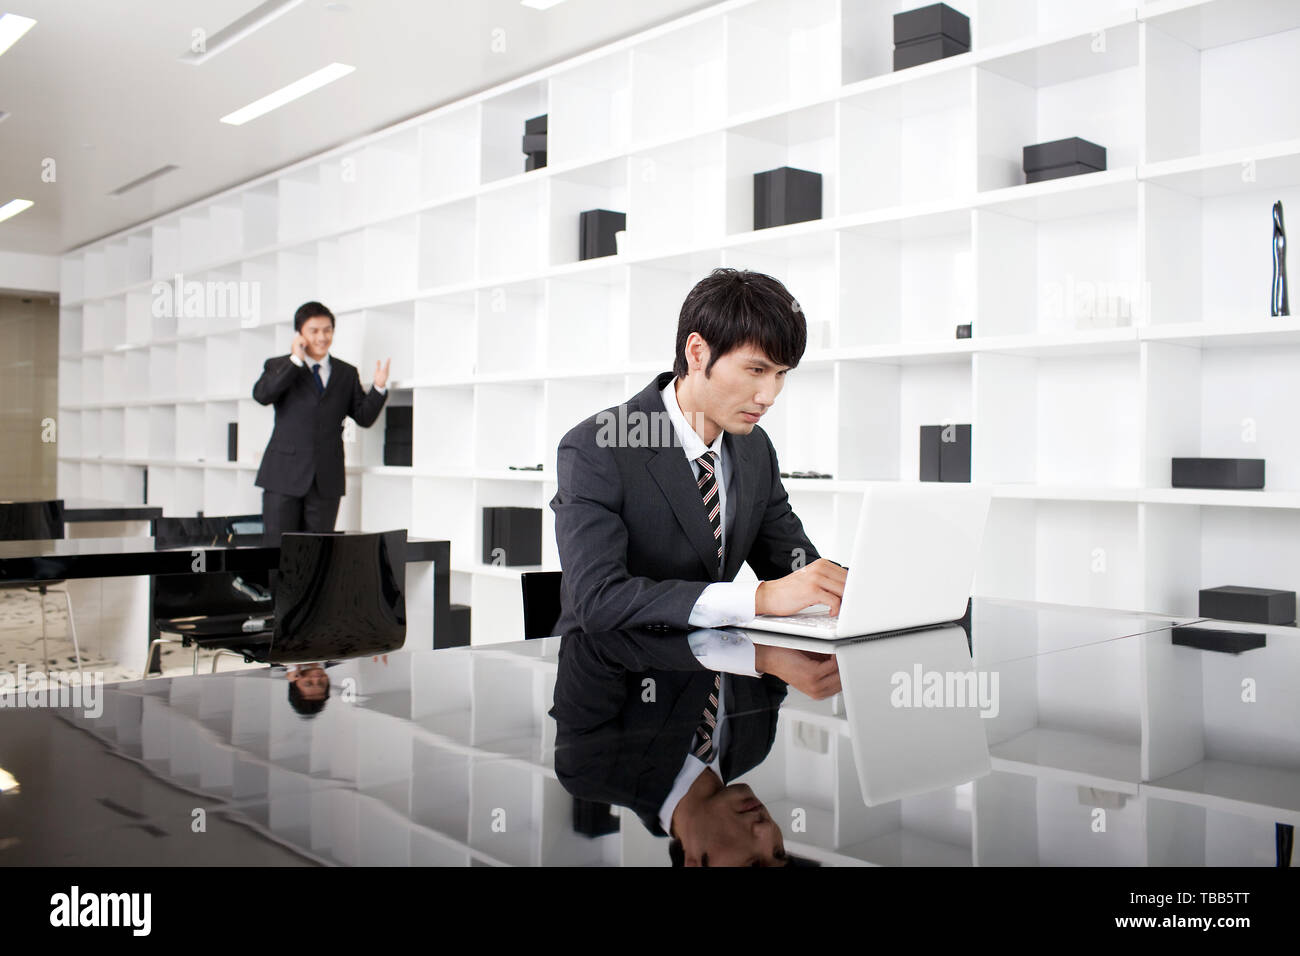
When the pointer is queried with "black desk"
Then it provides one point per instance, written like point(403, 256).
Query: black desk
point(1094, 705)
point(80, 558)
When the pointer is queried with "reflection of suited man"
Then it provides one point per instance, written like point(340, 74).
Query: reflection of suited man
point(624, 741)
point(302, 469)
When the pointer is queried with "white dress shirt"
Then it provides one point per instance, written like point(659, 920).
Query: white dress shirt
point(324, 369)
point(723, 602)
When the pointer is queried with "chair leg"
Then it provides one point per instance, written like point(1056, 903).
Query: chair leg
point(153, 645)
point(221, 652)
point(72, 629)
point(45, 650)
point(195, 669)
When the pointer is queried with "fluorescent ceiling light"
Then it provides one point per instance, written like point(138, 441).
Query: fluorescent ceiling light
point(13, 207)
point(541, 4)
point(12, 27)
point(236, 30)
point(287, 94)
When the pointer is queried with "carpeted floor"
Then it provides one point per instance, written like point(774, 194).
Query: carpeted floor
point(20, 643)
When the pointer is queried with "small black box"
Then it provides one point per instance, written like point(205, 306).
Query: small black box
point(596, 228)
point(930, 438)
point(535, 125)
point(458, 635)
point(1208, 639)
point(1062, 157)
point(512, 536)
point(399, 421)
point(534, 161)
point(786, 195)
point(232, 441)
point(593, 819)
point(954, 454)
point(908, 55)
point(397, 453)
point(963, 331)
point(1218, 473)
point(534, 143)
point(1255, 605)
point(925, 22)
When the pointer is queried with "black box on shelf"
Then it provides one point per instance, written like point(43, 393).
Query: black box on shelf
point(929, 33)
point(1062, 157)
point(512, 536)
point(232, 441)
point(399, 420)
point(945, 460)
point(963, 331)
point(1208, 639)
point(534, 142)
point(535, 125)
point(534, 161)
point(397, 453)
point(1218, 473)
point(786, 195)
point(596, 228)
point(1256, 605)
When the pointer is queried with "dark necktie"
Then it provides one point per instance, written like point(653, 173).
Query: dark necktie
point(315, 373)
point(708, 484)
point(705, 745)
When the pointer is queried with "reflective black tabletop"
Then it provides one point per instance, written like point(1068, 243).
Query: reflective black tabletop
point(1055, 736)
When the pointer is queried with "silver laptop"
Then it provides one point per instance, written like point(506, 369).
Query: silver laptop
point(912, 565)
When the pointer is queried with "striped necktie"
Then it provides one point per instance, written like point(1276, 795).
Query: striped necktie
point(708, 485)
point(705, 746)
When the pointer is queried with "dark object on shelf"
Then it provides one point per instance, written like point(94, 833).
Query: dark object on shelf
point(963, 331)
point(945, 452)
point(1218, 473)
point(536, 467)
point(144, 491)
point(512, 536)
point(596, 228)
point(1062, 157)
point(806, 474)
point(1280, 305)
point(232, 441)
point(1255, 605)
point(1224, 642)
point(458, 632)
point(786, 195)
point(593, 819)
point(534, 142)
point(1285, 838)
point(929, 33)
point(399, 423)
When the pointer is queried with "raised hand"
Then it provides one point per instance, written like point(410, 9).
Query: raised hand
point(381, 372)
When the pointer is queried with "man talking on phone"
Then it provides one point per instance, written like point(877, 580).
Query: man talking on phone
point(301, 476)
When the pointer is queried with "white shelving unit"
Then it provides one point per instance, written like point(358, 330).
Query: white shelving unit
point(1120, 318)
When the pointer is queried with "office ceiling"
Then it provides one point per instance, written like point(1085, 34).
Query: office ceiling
point(98, 87)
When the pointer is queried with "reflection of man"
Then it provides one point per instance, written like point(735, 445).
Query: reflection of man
point(646, 720)
point(653, 523)
point(302, 469)
point(309, 688)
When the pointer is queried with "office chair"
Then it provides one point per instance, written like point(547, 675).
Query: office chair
point(541, 602)
point(336, 596)
point(38, 521)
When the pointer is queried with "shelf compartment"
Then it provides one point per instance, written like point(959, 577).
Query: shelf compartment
point(803, 139)
point(589, 113)
point(678, 82)
point(502, 129)
point(570, 402)
point(656, 291)
point(511, 321)
point(512, 231)
point(446, 423)
point(677, 196)
point(449, 153)
point(602, 186)
point(586, 321)
point(801, 423)
point(445, 338)
point(780, 53)
point(385, 502)
point(446, 245)
point(443, 508)
point(507, 425)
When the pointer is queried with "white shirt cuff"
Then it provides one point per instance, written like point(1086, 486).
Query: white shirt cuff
point(726, 651)
point(381, 391)
point(296, 361)
point(724, 603)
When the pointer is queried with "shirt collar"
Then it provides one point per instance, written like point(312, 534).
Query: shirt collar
point(692, 443)
point(324, 363)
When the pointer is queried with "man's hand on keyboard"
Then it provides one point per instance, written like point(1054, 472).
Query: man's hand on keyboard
point(817, 675)
point(821, 582)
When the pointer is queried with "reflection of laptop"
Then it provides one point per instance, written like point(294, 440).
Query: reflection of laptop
point(913, 562)
point(904, 742)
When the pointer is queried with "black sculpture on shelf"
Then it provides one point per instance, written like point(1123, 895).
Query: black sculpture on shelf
point(1280, 304)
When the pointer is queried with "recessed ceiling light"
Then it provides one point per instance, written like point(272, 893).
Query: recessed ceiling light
point(287, 94)
point(12, 27)
point(147, 177)
point(13, 207)
point(236, 30)
point(541, 4)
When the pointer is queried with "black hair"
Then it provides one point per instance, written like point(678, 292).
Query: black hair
point(305, 707)
point(310, 310)
point(731, 308)
point(677, 856)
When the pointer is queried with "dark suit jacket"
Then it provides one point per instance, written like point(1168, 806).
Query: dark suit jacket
point(614, 746)
point(635, 542)
point(307, 441)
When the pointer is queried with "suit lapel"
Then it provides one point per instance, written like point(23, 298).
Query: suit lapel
point(336, 370)
point(672, 472)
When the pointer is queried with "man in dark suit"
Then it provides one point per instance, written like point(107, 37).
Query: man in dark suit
point(660, 500)
point(628, 708)
point(301, 476)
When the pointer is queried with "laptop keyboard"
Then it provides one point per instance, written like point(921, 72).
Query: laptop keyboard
point(821, 620)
